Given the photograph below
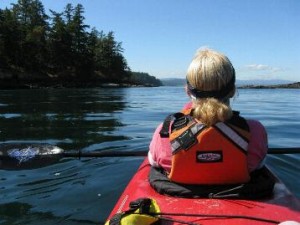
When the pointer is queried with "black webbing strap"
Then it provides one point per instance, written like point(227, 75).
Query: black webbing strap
point(142, 203)
point(116, 219)
point(164, 132)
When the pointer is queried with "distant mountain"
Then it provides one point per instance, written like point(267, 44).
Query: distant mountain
point(239, 83)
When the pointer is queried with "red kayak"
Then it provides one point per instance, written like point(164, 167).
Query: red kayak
point(282, 206)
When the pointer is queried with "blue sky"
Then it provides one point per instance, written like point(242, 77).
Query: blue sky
point(261, 37)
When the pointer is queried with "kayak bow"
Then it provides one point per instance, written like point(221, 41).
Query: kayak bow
point(282, 206)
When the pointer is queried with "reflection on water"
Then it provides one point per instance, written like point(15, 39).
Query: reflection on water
point(84, 191)
point(73, 118)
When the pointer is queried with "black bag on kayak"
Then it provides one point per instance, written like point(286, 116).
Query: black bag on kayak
point(260, 186)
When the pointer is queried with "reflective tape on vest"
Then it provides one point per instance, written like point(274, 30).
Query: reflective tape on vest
point(232, 135)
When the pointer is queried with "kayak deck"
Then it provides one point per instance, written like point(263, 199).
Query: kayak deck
point(281, 207)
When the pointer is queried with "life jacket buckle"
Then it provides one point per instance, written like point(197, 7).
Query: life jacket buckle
point(187, 139)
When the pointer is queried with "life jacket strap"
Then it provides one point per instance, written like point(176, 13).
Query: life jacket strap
point(179, 120)
point(188, 138)
point(233, 136)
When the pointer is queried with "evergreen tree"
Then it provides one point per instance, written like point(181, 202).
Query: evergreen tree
point(109, 58)
point(80, 51)
point(60, 46)
point(33, 28)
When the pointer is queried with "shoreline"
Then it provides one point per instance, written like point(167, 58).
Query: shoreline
point(11, 80)
point(63, 85)
point(295, 85)
point(13, 85)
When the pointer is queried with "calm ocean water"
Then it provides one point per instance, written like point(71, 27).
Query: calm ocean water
point(84, 191)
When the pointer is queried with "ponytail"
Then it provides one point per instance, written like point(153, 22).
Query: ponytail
point(210, 111)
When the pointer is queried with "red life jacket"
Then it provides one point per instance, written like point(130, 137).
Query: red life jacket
point(209, 155)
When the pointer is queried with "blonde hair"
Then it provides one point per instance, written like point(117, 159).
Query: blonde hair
point(210, 72)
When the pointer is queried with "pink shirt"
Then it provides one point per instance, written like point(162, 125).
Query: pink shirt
point(160, 155)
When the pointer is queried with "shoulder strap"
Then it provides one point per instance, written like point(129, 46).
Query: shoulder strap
point(164, 132)
point(180, 120)
point(233, 135)
point(238, 121)
point(239, 125)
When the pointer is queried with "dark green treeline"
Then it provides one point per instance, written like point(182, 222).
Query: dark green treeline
point(60, 46)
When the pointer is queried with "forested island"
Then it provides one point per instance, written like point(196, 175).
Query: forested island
point(243, 84)
point(60, 50)
point(295, 85)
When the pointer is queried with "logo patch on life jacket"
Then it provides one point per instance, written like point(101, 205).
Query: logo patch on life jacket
point(209, 156)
